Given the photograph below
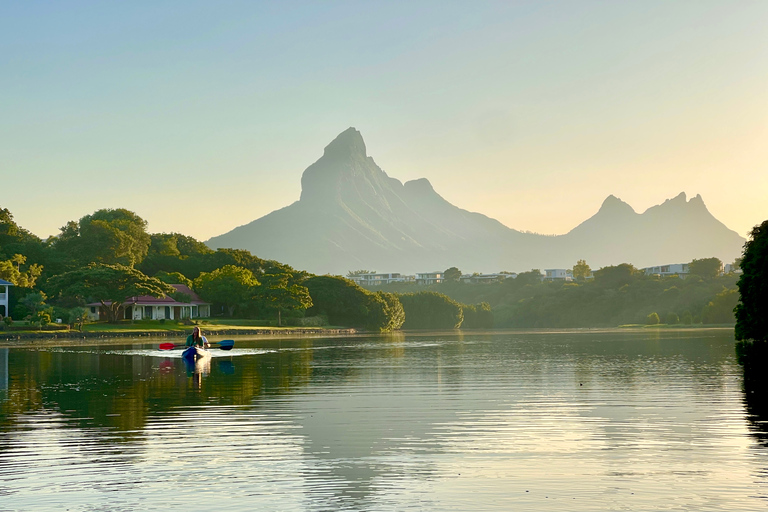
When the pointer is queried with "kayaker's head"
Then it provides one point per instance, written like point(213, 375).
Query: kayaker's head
point(196, 333)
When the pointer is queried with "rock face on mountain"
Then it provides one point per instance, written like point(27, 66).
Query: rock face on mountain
point(352, 215)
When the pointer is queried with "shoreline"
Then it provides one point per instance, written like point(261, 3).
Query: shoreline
point(7, 339)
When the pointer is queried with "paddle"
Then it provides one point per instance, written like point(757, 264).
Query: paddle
point(223, 345)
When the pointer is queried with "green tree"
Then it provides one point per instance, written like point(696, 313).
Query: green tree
point(230, 286)
point(671, 318)
point(174, 278)
point(277, 295)
point(617, 276)
point(707, 268)
point(355, 273)
point(345, 303)
point(751, 317)
point(720, 309)
point(386, 312)
point(431, 310)
point(78, 317)
point(110, 285)
point(452, 274)
point(581, 270)
point(107, 236)
point(10, 271)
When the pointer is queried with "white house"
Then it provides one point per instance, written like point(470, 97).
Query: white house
point(430, 277)
point(372, 279)
point(558, 274)
point(147, 307)
point(680, 269)
point(486, 278)
point(4, 297)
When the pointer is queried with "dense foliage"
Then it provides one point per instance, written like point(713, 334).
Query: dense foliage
point(617, 295)
point(431, 310)
point(752, 310)
point(345, 303)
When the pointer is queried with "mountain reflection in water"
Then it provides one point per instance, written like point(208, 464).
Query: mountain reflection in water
point(577, 420)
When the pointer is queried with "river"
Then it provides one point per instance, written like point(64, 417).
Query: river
point(497, 421)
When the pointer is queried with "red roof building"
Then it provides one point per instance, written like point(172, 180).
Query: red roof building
point(147, 307)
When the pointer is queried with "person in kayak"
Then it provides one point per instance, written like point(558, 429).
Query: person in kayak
point(197, 339)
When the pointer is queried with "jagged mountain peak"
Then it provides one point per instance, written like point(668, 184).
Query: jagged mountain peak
point(348, 143)
point(614, 205)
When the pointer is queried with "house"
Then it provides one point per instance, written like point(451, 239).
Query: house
point(486, 278)
point(372, 279)
point(4, 297)
point(430, 278)
point(558, 274)
point(147, 307)
point(679, 269)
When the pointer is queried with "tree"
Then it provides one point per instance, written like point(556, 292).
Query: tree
point(345, 303)
point(386, 312)
point(672, 318)
point(174, 278)
point(107, 236)
point(77, 317)
point(431, 310)
point(277, 295)
point(10, 271)
point(452, 274)
point(230, 286)
point(653, 319)
point(581, 270)
point(110, 285)
point(707, 268)
point(616, 276)
point(751, 317)
point(720, 309)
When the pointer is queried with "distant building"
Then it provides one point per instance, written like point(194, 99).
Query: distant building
point(679, 269)
point(728, 268)
point(372, 279)
point(147, 307)
point(558, 274)
point(430, 277)
point(4, 297)
point(486, 278)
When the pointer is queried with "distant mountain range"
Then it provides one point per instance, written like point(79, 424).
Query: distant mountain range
point(352, 215)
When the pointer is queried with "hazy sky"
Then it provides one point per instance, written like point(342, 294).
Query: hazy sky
point(202, 116)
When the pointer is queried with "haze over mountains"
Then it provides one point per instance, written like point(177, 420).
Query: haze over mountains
point(352, 215)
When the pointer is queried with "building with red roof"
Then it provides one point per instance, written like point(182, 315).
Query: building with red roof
point(185, 303)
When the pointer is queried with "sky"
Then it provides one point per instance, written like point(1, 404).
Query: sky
point(202, 116)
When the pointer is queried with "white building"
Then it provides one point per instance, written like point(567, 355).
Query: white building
point(372, 279)
point(679, 269)
point(4, 297)
point(486, 278)
point(430, 277)
point(558, 274)
point(147, 307)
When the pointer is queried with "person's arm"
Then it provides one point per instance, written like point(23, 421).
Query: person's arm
point(205, 342)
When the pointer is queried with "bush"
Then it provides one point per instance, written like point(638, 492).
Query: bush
point(431, 310)
point(686, 318)
point(652, 319)
point(671, 318)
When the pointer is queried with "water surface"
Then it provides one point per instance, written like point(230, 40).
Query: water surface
point(572, 420)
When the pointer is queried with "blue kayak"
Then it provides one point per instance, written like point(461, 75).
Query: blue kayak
point(195, 353)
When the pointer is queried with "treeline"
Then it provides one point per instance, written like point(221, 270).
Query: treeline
point(109, 256)
point(617, 295)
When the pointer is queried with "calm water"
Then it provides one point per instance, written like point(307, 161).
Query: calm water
point(515, 421)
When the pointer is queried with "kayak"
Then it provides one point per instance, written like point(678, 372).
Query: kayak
point(195, 353)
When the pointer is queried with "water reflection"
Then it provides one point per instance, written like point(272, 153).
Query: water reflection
point(605, 420)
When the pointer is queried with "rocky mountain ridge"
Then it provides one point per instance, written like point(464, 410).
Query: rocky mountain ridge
point(352, 215)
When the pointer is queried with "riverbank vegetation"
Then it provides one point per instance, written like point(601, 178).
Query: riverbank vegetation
point(109, 256)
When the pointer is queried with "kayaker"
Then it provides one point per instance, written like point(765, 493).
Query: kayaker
point(197, 338)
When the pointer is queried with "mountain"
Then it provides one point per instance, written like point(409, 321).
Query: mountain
point(352, 215)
